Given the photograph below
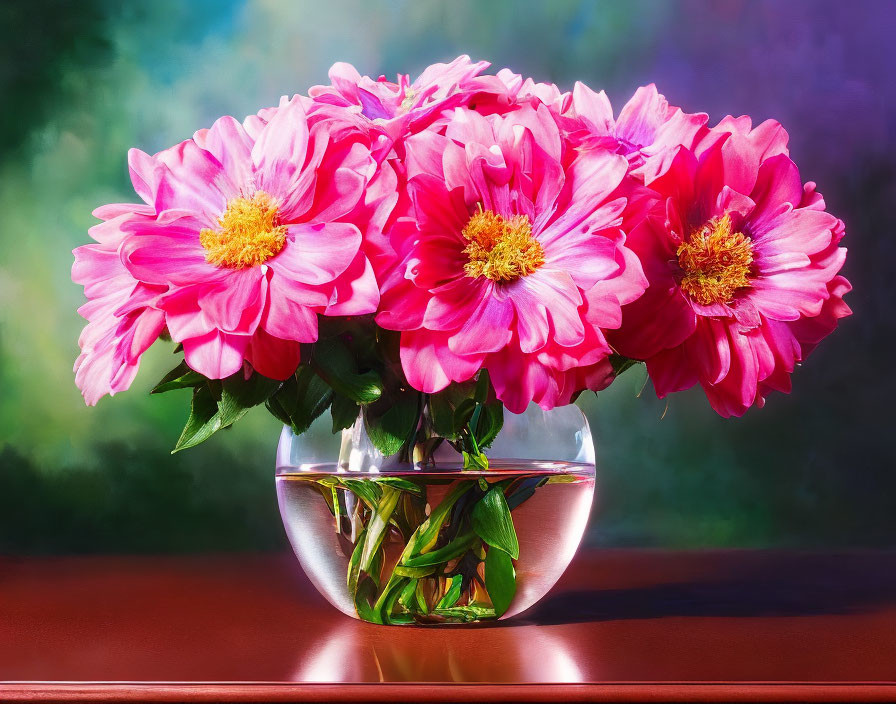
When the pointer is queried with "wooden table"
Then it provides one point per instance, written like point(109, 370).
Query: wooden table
point(621, 625)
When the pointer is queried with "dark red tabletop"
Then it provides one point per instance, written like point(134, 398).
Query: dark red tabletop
point(635, 625)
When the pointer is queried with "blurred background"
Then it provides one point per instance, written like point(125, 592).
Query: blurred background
point(82, 82)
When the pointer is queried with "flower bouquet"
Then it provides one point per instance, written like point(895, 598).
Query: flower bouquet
point(427, 260)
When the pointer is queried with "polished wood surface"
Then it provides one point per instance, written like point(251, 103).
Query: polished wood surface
point(636, 625)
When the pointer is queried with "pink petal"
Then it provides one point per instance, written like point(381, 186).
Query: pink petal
point(486, 330)
point(280, 150)
point(236, 303)
point(216, 355)
point(228, 141)
point(272, 357)
point(429, 364)
point(670, 371)
point(169, 255)
point(356, 292)
point(593, 108)
point(194, 182)
point(146, 173)
point(317, 253)
point(642, 115)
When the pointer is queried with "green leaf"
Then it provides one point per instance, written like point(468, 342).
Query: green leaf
point(453, 593)
point(464, 412)
point(415, 572)
point(422, 606)
point(398, 483)
point(562, 479)
point(491, 420)
point(525, 491)
point(441, 413)
point(475, 460)
point(276, 410)
point(392, 429)
point(407, 594)
point(367, 491)
point(335, 363)
point(354, 563)
point(239, 394)
point(427, 533)
point(301, 399)
point(363, 598)
point(621, 364)
point(492, 522)
point(500, 579)
point(483, 383)
point(455, 548)
point(443, 407)
point(376, 527)
point(218, 405)
point(388, 597)
point(180, 377)
point(203, 421)
point(344, 412)
point(468, 613)
point(376, 568)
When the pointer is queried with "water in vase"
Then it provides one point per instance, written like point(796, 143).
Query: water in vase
point(407, 547)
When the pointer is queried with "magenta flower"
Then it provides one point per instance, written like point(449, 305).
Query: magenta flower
point(253, 233)
point(511, 258)
point(122, 313)
point(647, 125)
point(742, 261)
point(403, 107)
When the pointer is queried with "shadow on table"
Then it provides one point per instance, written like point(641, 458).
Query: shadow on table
point(785, 585)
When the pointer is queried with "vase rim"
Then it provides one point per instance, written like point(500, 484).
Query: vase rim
point(496, 466)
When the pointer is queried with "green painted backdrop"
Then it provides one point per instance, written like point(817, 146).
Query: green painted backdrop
point(80, 83)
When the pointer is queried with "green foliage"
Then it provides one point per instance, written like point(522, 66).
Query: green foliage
point(219, 404)
point(204, 420)
point(180, 377)
point(440, 546)
point(453, 593)
point(500, 579)
point(336, 365)
point(376, 527)
point(451, 409)
point(492, 522)
point(394, 428)
point(301, 399)
point(344, 412)
point(621, 364)
point(488, 423)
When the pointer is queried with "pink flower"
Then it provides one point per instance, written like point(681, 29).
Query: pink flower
point(524, 90)
point(511, 258)
point(122, 314)
point(254, 232)
point(403, 107)
point(647, 125)
point(742, 261)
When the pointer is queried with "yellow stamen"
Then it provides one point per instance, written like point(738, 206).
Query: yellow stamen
point(501, 249)
point(410, 96)
point(716, 262)
point(250, 233)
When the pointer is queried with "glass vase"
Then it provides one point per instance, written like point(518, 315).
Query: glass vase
point(394, 541)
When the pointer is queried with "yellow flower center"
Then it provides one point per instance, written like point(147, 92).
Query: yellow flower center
point(716, 262)
point(501, 249)
point(410, 95)
point(249, 233)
